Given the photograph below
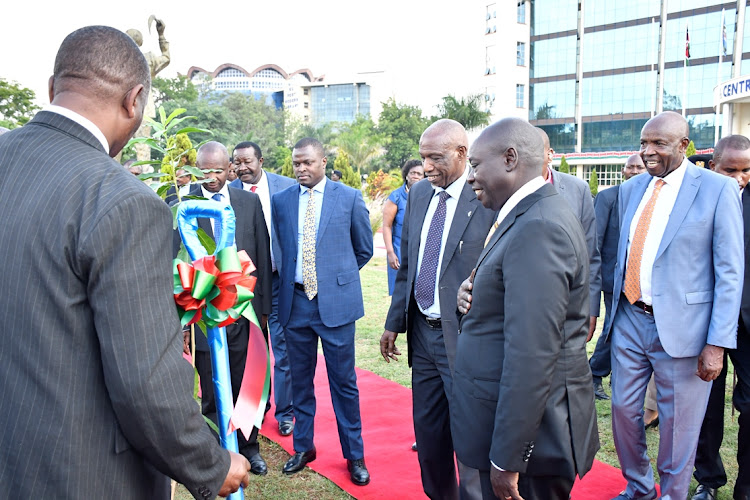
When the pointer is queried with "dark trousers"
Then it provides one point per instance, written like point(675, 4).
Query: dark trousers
point(709, 469)
point(302, 333)
point(432, 384)
point(282, 377)
point(601, 360)
point(237, 346)
point(532, 487)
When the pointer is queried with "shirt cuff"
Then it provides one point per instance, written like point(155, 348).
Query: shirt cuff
point(498, 468)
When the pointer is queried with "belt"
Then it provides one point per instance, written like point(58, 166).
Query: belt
point(299, 286)
point(431, 322)
point(642, 306)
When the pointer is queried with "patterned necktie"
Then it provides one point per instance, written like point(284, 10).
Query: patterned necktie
point(424, 290)
point(492, 231)
point(632, 286)
point(253, 188)
point(309, 274)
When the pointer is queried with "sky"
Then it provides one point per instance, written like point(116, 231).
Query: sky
point(428, 49)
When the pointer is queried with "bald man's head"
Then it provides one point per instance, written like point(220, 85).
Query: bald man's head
point(213, 160)
point(504, 157)
point(633, 166)
point(443, 148)
point(664, 139)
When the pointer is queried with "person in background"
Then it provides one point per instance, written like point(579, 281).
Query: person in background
point(393, 217)
point(336, 175)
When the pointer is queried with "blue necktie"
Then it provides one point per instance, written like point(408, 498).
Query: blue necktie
point(424, 290)
point(216, 228)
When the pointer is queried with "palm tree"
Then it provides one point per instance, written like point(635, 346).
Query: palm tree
point(467, 111)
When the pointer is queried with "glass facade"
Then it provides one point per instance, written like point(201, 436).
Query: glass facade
point(556, 56)
point(552, 100)
point(562, 138)
point(553, 16)
point(612, 135)
point(614, 94)
point(621, 48)
point(597, 13)
point(339, 103)
point(618, 48)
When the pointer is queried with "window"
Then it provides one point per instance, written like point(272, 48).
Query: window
point(519, 96)
point(520, 54)
point(489, 60)
point(490, 25)
point(521, 13)
point(307, 105)
point(305, 91)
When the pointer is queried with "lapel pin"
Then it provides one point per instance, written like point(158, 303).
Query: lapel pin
point(469, 214)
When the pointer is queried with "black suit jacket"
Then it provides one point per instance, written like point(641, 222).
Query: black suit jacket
point(607, 233)
point(466, 236)
point(92, 380)
point(251, 235)
point(522, 393)
point(745, 307)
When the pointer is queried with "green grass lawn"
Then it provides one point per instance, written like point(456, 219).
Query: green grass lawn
point(308, 484)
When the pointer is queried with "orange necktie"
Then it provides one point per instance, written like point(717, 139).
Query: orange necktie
point(492, 231)
point(632, 287)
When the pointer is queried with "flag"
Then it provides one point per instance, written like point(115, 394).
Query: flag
point(724, 35)
point(687, 45)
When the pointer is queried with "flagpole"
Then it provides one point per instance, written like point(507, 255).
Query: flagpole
point(684, 68)
point(718, 77)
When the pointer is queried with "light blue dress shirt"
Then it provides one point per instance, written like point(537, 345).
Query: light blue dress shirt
point(319, 189)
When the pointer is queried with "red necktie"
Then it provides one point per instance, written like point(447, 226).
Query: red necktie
point(253, 188)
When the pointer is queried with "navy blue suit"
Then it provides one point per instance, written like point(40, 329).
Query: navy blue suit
point(282, 378)
point(343, 246)
point(608, 235)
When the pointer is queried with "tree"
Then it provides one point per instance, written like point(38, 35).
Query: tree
point(179, 88)
point(401, 126)
point(16, 104)
point(276, 159)
point(348, 177)
point(564, 166)
point(361, 143)
point(593, 182)
point(690, 151)
point(467, 111)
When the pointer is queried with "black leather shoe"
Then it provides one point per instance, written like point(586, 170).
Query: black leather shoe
point(358, 471)
point(286, 427)
point(654, 424)
point(703, 492)
point(298, 461)
point(624, 496)
point(599, 389)
point(414, 446)
point(258, 465)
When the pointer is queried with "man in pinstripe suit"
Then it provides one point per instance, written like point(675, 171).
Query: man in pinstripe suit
point(96, 398)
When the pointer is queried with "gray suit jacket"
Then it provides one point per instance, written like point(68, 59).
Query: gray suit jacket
point(522, 393)
point(468, 230)
point(578, 195)
point(92, 380)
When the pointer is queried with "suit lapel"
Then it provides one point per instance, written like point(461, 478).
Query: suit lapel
point(557, 183)
point(240, 213)
point(419, 208)
point(330, 196)
point(510, 219)
point(689, 189)
point(746, 215)
point(465, 210)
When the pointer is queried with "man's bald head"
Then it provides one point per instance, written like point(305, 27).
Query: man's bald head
point(213, 160)
point(664, 139)
point(633, 166)
point(504, 157)
point(100, 62)
point(443, 148)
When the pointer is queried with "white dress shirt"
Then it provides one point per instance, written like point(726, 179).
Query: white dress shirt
point(80, 120)
point(524, 191)
point(454, 190)
point(224, 192)
point(659, 219)
point(264, 193)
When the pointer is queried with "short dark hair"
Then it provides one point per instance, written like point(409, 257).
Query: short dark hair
point(410, 164)
point(102, 61)
point(247, 145)
point(309, 141)
point(338, 172)
point(735, 142)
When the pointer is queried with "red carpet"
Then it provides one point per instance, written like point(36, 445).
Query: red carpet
point(388, 434)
